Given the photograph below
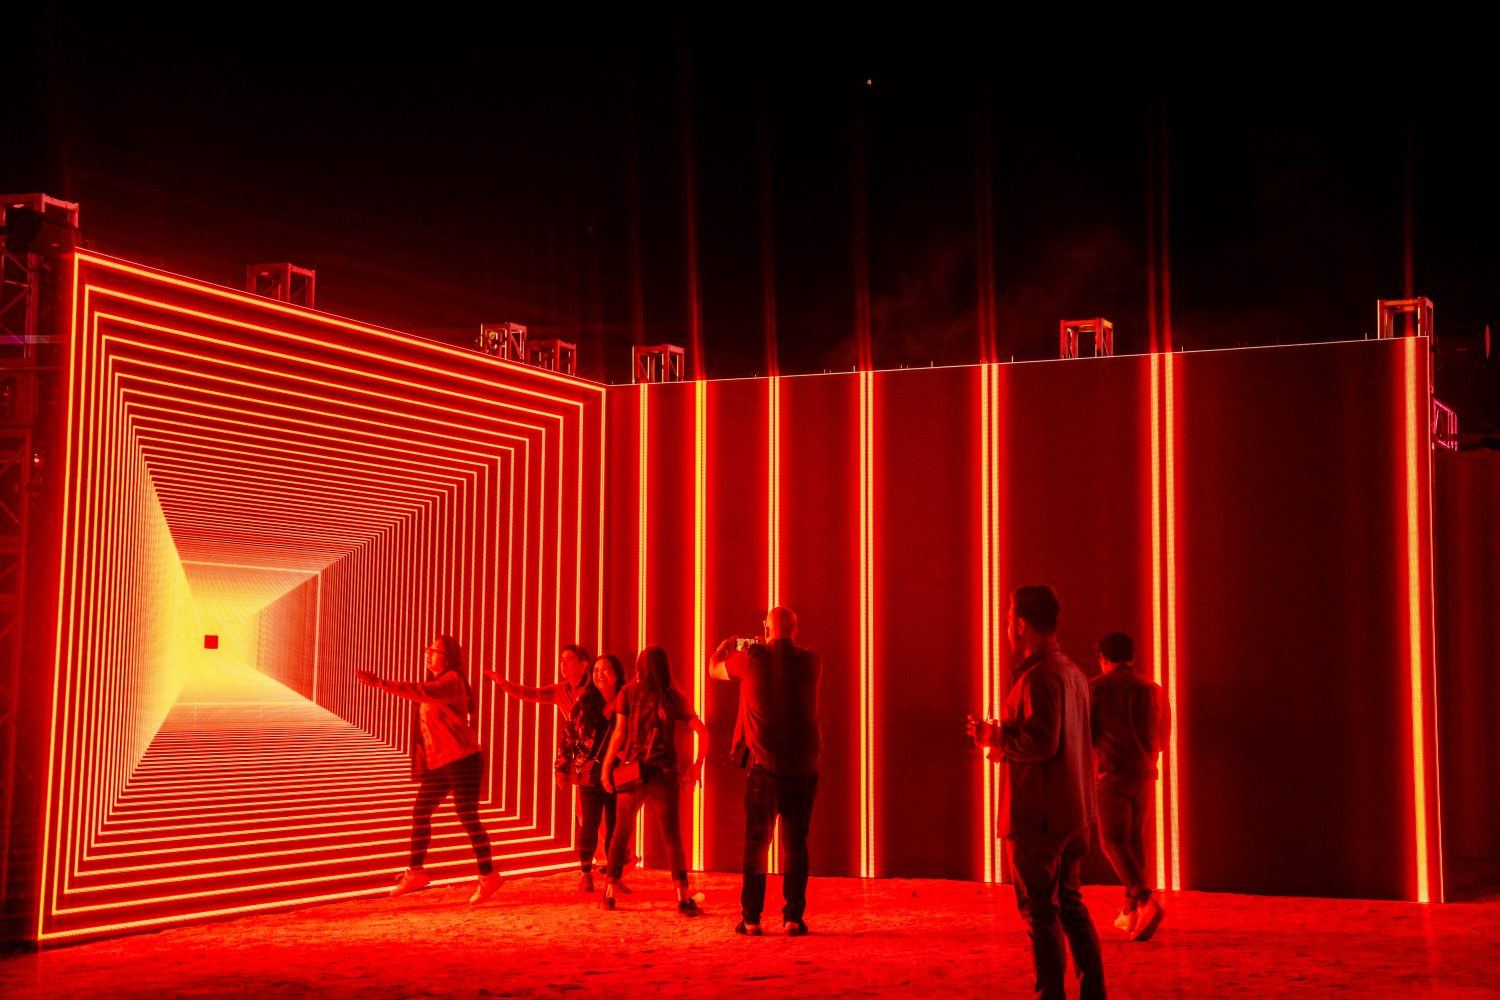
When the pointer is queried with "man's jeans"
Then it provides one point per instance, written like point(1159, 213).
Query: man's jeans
point(767, 796)
point(1124, 805)
point(1045, 867)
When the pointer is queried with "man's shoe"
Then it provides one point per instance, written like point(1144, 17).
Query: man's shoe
point(1148, 917)
point(586, 882)
point(622, 888)
point(488, 886)
point(794, 928)
point(749, 930)
point(1125, 919)
point(410, 881)
point(688, 907)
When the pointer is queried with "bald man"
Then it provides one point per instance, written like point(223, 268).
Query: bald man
point(777, 736)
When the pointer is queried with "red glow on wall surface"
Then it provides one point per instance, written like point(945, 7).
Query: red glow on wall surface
point(900, 508)
point(322, 496)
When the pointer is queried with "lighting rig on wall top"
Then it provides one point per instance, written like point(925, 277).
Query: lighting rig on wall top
point(657, 363)
point(284, 282)
point(1413, 318)
point(1070, 331)
point(508, 342)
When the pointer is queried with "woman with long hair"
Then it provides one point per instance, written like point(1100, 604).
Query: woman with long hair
point(590, 721)
point(445, 757)
point(645, 741)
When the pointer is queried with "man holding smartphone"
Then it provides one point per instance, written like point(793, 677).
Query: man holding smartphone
point(1048, 805)
point(778, 738)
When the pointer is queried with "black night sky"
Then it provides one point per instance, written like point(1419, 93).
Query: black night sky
point(446, 175)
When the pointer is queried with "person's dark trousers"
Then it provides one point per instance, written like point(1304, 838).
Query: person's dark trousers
point(462, 778)
point(1045, 869)
point(1124, 805)
point(767, 796)
point(663, 790)
point(594, 804)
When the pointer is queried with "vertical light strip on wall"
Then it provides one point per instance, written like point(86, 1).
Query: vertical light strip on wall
point(993, 595)
point(773, 540)
point(641, 539)
point(603, 478)
point(1414, 423)
point(866, 623)
point(993, 649)
point(1157, 657)
point(640, 528)
point(773, 491)
point(45, 897)
point(700, 581)
point(1174, 776)
point(317, 631)
point(986, 653)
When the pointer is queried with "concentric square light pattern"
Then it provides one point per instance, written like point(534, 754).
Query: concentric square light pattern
point(323, 496)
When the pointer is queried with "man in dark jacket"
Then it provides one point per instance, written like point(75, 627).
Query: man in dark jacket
point(1130, 719)
point(778, 739)
point(1047, 808)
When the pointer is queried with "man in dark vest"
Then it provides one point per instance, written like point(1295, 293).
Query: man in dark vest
point(777, 738)
point(1047, 809)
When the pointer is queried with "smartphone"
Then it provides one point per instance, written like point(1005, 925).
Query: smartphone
point(743, 642)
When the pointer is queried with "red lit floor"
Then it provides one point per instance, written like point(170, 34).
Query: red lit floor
point(887, 936)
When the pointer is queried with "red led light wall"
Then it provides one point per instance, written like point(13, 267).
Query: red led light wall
point(1467, 562)
point(1304, 616)
point(1255, 519)
point(326, 497)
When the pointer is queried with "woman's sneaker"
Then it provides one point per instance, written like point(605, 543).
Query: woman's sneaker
point(586, 882)
point(410, 881)
point(608, 902)
point(488, 886)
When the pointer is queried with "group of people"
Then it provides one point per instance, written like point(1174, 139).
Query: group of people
point(1078, 756)
point(618, 746)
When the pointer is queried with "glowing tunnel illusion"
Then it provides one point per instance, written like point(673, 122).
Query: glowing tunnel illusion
point(324, 496)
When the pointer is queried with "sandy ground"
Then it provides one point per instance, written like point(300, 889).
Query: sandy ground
point(540, 936)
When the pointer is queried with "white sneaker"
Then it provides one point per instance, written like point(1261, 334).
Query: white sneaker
point(1125, 920)
point(410, 881)
point(488, 886)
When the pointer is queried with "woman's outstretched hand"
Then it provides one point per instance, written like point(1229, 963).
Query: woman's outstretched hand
point(367, 677)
